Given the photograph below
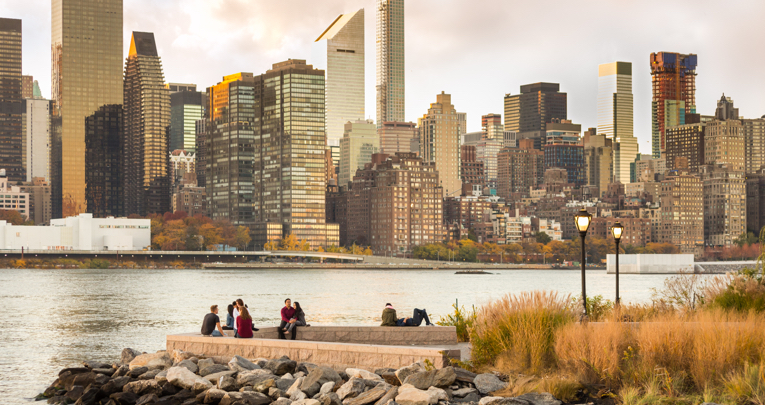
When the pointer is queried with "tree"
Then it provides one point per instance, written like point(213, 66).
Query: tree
point(290, 242)
point(543, 238)
point(12, 217)
point(271, 245)
point(241, 238)
point(746, 238)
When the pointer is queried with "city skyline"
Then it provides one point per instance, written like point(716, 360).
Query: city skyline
point(241, 43)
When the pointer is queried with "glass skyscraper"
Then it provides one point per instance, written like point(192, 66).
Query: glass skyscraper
point(186, 108)
point(339, 51)
point(615, 116)
point(86, 57)
point(673, 82)
point(12, 105)
point(390, 61)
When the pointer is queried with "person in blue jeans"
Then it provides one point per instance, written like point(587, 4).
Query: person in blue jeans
point(211, 323)
point(418, 316)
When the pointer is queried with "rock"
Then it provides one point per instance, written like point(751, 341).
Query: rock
point(368, 397)
point(389, 396)
point(83, 379)
point(464, 375)
point(144, 359)
point(121, 370)
point(128, 355)
point(486, 383)
point(124, 398)
point(254, 377)
point(136, 372)
point(282, 401)
point(408, 395)
point(105, 371)
point(709, 403)
point(101, 379)
point(168, 389)
point(289, 376)
point(75, 393)
point(438, 393)
point(312, 390)
point(149, 375)
point(89, 396)
point(295, 387)
point(239, 363)
point(255, 398)
point(115, 385)
point(143, 387)
point(232, 398)
point(329, 399)
point(298, 396)
point(264, 386)
point(307, 402)
point(320, 375)
point(215, 368)
point(489, 400)
point(306, 367)
point(434, 378)
point(147, 399)
point(390, 378)
point(188, 364)
point(471, 397)
point(161, 376)
point(381, 371)
point(284, 383)
point(96, 364)
point(161, 363)
point(72, 371)
point(201, 386)
point(227, 383)
point(539, 398)
point(464, 392)
point(182, 395)
point(281, 366)
point(179, 356)
point(298, 374)
point(214, 395)
point(352, 388)
point(327, 387)
point(404, 372)
point(360, 373)
point(215, 377)
point(183, 378)
point(276, 393)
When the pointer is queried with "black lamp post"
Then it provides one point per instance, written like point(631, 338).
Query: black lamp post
point(582, 221)
point(617, 231)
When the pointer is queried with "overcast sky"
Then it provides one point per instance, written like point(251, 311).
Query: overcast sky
point(477, 50)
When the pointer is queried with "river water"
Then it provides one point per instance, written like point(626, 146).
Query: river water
point(58, 318)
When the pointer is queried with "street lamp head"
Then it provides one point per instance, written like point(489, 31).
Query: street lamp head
point(617, 231)
point(582, 220)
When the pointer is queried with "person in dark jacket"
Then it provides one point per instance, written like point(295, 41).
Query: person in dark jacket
point(230, 318)
point(287, 313)
point(389, 317)
point(299, 318)
point(418, 315)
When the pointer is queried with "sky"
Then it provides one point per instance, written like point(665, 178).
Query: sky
point(476, 50)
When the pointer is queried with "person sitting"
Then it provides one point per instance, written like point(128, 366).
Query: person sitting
point(287, 313)
point(211, 322)
point(229, 318)
point(418, 315)
point(299, 318)
point(244, 324)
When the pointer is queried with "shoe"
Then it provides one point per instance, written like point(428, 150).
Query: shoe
point(255, 329)
point(430, 324)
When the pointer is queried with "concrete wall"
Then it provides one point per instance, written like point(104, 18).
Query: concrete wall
point(377, 335)
point(651, 264)
point(29, 237)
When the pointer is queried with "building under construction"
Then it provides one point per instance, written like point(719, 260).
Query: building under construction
point(673, 76)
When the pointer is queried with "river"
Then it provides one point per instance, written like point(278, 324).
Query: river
point(58, 318)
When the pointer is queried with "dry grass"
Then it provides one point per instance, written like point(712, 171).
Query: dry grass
point(747, 385)
point(516, 332)
point(563, 388)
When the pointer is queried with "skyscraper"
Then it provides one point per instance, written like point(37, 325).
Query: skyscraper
point(535, 106)
point(724, 141)
point(673, 77)
point(103, 154)
point(37, 138)
point(339, 51)
point(147, 116)
point(86, 57)
point(186, 108)
point(440, 142)
point(397, 137)
point(359, 142)
point(564, 149)
point(615, 115)
point(390, 61)
point(12, 105)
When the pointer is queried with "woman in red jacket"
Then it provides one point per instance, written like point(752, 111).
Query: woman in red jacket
point(244, 323)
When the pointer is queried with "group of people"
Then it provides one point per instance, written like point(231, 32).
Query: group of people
point(239, 320)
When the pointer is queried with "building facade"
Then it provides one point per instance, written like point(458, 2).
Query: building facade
point(685, 141)
point(528, 112)
point(186, 108)
point(564, 149)
point(637, 231)
point(37, 138)
point(598, 161)
point(673, 79)
point(15, 199)
point(682, 211)
point(104, 157)
point(519, 170)
point(359, 143)
point(471, 169)
point(397, 137)
point(754, 138)
point(81, 49)
point(724, 141)
point(440, 142)
point(724, 204)
point(390, 61)
point(615, 115)
point(39, 200)
point(13, 154)
point(339, 51)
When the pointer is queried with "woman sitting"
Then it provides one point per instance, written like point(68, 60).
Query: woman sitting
point(229, 318)
point(299, 318)
point(244, 323)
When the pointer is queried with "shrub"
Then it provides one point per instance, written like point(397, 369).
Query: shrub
point(748, 385)
point(598, 308)
point(460, 319)
point(95, 264)
point(519, 330)
point(744, 291)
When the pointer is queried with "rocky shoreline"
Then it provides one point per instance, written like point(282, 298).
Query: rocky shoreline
point(181, 378)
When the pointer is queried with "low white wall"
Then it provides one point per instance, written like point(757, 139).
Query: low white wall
point(651, 264)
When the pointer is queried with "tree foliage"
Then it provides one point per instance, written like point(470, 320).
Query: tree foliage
point(178, 231)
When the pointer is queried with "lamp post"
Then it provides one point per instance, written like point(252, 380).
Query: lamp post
point(582, 221)
point(617, 230)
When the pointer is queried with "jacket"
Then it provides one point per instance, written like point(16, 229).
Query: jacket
point(389, 317)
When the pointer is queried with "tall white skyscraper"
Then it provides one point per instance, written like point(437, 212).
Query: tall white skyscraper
point(339, 51)
point(390, 61)
point(615, 114)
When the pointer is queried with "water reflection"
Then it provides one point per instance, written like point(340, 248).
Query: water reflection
point(61, 317)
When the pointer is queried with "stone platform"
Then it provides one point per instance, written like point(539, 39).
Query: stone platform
point(340, 347)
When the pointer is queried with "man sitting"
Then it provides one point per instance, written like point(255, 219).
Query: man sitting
point(389, 317)
point(211, 322)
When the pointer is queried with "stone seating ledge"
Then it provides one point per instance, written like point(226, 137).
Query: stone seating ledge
point(376, 335)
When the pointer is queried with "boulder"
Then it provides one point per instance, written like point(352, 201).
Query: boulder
point(472, 397)
point(89, 396)
point(306, 367)
point(264, 386)
point(462, 392)
point(136, 372)
point(327, 387)
point(254, 377)
point(239, 363)
point(312, 390)
point(215, 368)
point(232, 398)
point(227, 383)
point(489, 400)
point(189, 365)
point(214, 395)
point(295, 387)
point(307, 401)
point(75, 393)
point(201, 386)
point(352, 388)
point(408, 395)
point(434, 378)
point(360, 373)
point(120, 371)
point(215, 377)
point(115, 385)
point(179, 356)
point(276, 393)
point(183, 378)
point(83, 379)
point(368, 397)
point(381, 371)
point(147, 399)
point(486, 383)
point(298, 396)
point(320, 375)
point(404, 372)
point(96, 364)
point(202, 363)
point(128, 355)
point(101, 379)
point(438, 393)
point(281, 366)
point(282, 401)
point(168, 389)
point(539, 398)
point(144, 359)
point(464, 375)
point(105, 371)
point(161, 376)
point(284, 383)
point(389, 396)
point(124, 398)
point(149, 375)
point(329, 399)
point(289, 376)
point(255, 398)
point(143, 387)
point(390, 378)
